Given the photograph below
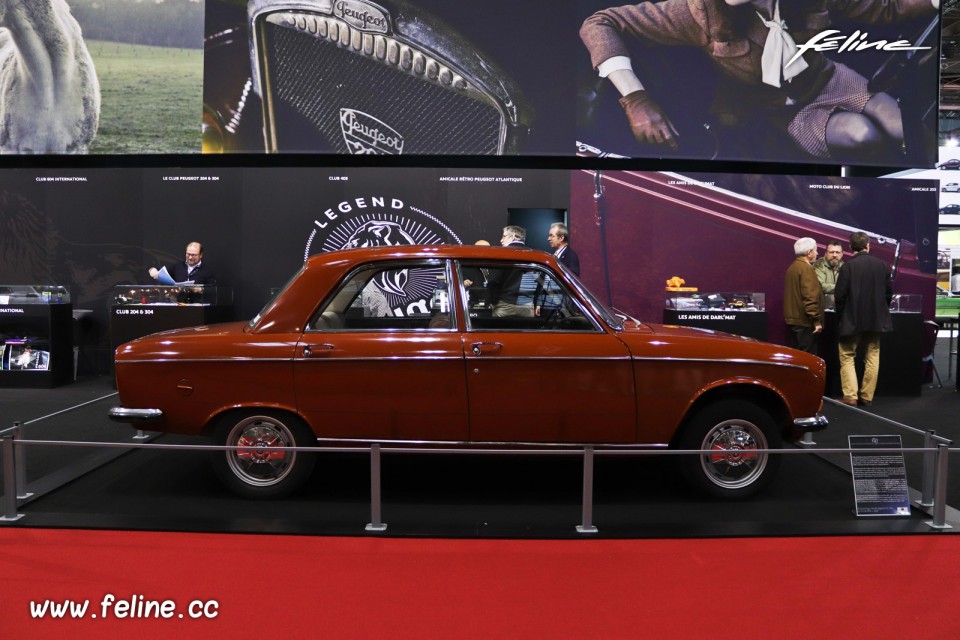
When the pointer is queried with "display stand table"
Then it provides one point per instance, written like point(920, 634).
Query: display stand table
point(36, 336)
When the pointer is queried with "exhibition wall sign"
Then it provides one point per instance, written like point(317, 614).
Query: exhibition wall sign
point(635, 230)
point(480, 78)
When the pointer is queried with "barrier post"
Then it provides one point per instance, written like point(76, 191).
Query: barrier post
point(587, 525)
point(375, 523)
point(20, 463)
point(940, 495)
point(929, 469)
point(807, 440)
point(9, 481)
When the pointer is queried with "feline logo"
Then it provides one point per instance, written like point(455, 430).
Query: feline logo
point(857, 41)
point(366, 135)
point(380, 221)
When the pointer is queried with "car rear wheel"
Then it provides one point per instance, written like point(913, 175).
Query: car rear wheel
point(732, 426)
point(268, 470)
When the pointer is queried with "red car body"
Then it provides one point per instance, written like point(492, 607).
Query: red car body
point(317, 363)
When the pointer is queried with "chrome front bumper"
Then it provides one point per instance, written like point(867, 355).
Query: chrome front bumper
point(125, 414)
point(818, 422)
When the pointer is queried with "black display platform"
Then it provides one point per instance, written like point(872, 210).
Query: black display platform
point(128, 322)
point(901, 353)
point(752, 324)
point(447, 495)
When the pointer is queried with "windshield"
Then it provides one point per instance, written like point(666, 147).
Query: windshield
point(614, 320)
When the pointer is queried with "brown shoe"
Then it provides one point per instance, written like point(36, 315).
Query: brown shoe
point(864, 403)
point(852, 403)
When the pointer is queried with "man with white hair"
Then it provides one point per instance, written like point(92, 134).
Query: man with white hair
point(803, 298)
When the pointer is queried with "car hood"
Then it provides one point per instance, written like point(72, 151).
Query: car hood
point(668, 341)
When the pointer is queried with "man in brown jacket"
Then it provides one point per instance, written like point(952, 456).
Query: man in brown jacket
point(803, 298)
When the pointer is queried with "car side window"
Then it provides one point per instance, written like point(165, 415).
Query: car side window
point(509, 297)
point(381, 298)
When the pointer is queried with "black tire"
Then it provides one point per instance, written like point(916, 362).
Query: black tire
point(267, 472)
point(730, 425)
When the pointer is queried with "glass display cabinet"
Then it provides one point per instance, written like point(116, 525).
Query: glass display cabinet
point(36, 336)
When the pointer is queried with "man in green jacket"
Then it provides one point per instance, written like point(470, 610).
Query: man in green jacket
point(827, 269)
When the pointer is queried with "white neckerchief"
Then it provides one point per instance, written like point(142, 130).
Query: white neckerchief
point(778, 50)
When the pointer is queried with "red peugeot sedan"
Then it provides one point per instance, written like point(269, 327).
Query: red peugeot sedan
point(464, 346)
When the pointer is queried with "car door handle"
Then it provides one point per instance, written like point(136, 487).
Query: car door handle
point(323, 347)
point(480, 348)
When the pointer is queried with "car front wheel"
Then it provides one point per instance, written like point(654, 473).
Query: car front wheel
point(268, 469)
point(731, 431)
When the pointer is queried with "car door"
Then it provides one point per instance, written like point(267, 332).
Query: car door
point(539, 366)
point(383, 358)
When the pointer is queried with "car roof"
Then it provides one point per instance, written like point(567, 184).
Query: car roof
point(442, 251)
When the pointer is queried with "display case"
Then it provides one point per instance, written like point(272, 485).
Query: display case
point(141, 310)
point(740, 313)
point(906, 303)
point(193, 294)
point(36, 336)
point(716, 301)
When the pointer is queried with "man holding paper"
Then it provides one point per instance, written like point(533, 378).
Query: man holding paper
point(190, 271)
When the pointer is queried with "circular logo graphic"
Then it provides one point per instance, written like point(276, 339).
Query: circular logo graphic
point(381, 221)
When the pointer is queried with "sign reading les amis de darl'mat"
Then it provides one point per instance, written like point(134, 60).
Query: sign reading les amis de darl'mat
point(879, 477)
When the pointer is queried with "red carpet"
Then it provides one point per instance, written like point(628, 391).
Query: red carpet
point(253, 586)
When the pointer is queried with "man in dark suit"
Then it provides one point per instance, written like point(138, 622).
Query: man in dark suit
point(863, 294)
point(190, 271)
point(559, 239)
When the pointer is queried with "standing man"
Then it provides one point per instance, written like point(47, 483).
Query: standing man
point(827, 268)
point(191, 270)
point(803, 298)
point(505, 284)
point(863, 294)
point(559, 239)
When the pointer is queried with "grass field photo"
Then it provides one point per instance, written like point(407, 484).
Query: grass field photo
point(151, 98)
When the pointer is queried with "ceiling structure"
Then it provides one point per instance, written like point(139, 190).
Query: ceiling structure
point(950, 68)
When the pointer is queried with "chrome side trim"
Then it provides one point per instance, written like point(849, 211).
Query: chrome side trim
point(127, 414)
point(721, 361)
point(481, 443)
point(334, 358)
point(815, 423)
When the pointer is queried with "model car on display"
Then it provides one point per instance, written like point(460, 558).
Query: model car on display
point(951, 186)
point(953, 163)
point(462, 346)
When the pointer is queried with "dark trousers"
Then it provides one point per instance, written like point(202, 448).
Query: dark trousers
point(805, 339)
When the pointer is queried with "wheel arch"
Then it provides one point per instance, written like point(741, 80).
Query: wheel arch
point(226, 414)
point(761, 395)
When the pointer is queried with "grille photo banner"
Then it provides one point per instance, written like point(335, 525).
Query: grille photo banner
point(393, 77)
